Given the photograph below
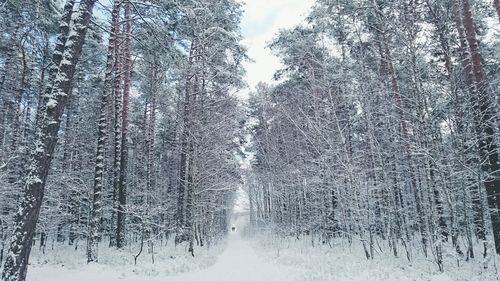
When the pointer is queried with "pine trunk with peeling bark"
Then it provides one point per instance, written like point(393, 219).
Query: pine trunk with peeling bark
point(55, 99)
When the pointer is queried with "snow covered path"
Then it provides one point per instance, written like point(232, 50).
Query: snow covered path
point(240, 262)
point(254, 261)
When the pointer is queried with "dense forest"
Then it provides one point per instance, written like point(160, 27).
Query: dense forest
point(117, 129)
point(121, 125)
point(384, 129)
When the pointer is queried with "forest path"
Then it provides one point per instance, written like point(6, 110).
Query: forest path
point(239, 262)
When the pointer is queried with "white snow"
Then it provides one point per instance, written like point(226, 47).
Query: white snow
point(239, 261)
point(263, 259)
point(66, 62)
point(51, 103)
point(64, 263)
point(344, 262)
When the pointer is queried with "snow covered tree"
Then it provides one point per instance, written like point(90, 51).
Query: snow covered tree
point(49, 119)
point(372, 132)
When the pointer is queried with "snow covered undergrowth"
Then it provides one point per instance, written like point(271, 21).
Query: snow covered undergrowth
point(263, 258)
point(235, 260)
point(64, 263)
point(342, 262)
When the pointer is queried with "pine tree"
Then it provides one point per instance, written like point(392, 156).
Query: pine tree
point(94, 227)
point(46, 138)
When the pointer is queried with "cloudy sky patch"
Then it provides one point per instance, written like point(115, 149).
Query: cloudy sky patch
point(261, 21)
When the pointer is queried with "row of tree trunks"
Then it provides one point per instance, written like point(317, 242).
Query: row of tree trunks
point(387, 70)
point(459, 135)
point(483, 111)
point(54, 102)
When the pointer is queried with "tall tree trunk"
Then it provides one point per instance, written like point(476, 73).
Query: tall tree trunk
point(57, 55)
point(388, 69)
point(122, 188)
point(45, 141)
point(117, 142)
point(483, 115)
point(184, 153)
point(150, 149)
point(15, 121)
point(102, 134)
point(65, 164)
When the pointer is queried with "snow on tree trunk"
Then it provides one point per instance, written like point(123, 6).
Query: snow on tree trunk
point(118, 103)
point(122, 183)
point(184, 153)
point(484, 115)
point(57, 55)
point(388, 69)
point(102, 134)
point(15, 266)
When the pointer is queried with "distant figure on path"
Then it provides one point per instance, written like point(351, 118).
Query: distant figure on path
point(233, 228)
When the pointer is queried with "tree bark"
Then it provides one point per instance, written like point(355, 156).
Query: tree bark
point(15, 267)
point(118, 101)
point(57, 55)
point(184, 154)
point(388, 69)
point(483, 115)
point(122, 188)
point(102, 134)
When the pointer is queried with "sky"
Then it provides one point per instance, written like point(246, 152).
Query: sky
point(261, 21)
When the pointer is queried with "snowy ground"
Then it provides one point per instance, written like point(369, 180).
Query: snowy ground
point(64, 263)
point(347, 263)
point(260, 259)
point(239, 261)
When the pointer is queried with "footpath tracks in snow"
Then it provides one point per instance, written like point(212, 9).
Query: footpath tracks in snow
point(240, 262)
